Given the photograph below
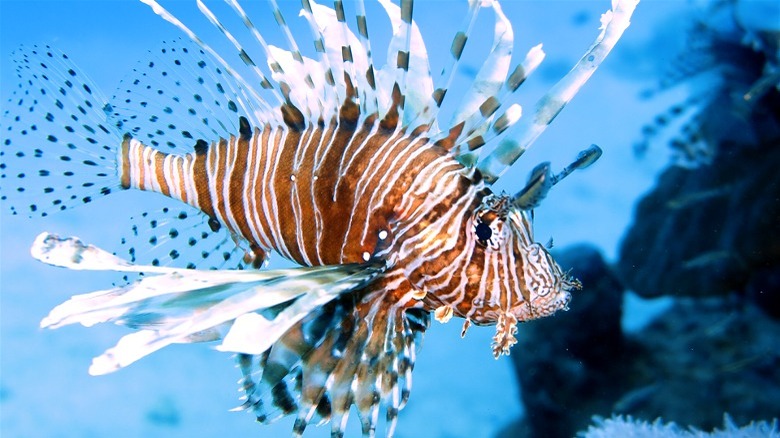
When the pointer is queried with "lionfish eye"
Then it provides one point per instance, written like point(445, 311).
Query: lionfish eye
point(483, 231)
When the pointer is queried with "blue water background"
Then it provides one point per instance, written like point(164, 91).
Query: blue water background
point(459, 389)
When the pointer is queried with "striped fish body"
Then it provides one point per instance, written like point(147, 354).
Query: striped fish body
point(391, 217)
point(322, 195)
point(350, 193)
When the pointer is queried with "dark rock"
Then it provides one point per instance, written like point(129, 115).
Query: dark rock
point(702, 358)
point(763, 290)
point(698, 360)
point(704, 231)
point(568, 364)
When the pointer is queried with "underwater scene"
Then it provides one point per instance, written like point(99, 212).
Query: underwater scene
point(437, 218)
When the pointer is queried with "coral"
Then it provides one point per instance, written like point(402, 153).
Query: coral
point(628, 427)
point(707, 231)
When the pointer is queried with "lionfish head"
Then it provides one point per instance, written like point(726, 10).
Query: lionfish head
point(511, 277)
point(496, 274)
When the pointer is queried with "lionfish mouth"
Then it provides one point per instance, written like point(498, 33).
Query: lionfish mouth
point(506, 324)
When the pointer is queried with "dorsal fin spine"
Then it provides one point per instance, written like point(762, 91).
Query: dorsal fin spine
point(407, 10)
point(476, 124)
point(294, 51)
point(330, 99)
point(371, 104)
point(458, 43)
point(480, 101)
point(242, 53)
point(349, 72)
point(523, 134)
point(243, 84)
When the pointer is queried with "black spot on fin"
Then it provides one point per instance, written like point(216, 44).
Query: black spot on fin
point(201, 147)
point(244, 128)
point(180, 93)
point(181, 236)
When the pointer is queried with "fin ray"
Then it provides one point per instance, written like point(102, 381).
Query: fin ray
point(181, 306)
point(613, 23)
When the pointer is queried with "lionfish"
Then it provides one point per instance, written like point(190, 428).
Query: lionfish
point(332, 162)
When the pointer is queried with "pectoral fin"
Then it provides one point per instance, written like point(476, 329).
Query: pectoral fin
point(248, 310)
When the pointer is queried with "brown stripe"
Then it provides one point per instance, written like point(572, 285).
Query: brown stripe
point(489, 106)
point(338, 5)
point(449, 142)
point(200, 178)
point(346, 53)
point(293, 117)
point(304, 179)
point(219, 177)
point(238, 183)
point(159, 173)
point(476, 143)
point(282, 185)
point(516, 79)
point(319, 46)
point(501, 124)
point(402, 60)
point(370, 77)
point(458, 43)
point(259, 186)
point(329, 77)
point(331, 238)
point(362, 26)
point(407, 9)
point(139, 165)
point(179, 166)
point(438, 95)
point(125, 151)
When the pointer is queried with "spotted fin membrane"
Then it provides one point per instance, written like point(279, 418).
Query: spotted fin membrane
point(58, 111)
point(178, 96)
point(182, 237)
point(171, 100)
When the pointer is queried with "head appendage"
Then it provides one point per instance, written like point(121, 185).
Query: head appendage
point(541, 179)
point(504, 339)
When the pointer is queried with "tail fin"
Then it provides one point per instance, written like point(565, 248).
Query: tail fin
point(59, 147)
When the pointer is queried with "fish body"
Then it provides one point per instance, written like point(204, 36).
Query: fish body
point(344, 170)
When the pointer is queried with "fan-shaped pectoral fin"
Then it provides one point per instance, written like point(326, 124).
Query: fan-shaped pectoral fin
point(357, 350)
point(248, 310)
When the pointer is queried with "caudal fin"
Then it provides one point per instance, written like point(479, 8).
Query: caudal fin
point(59, 146)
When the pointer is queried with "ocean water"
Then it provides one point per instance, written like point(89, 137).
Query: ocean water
point(459, 389)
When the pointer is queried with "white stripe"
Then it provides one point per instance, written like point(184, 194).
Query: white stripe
point(276, 230)
point(189, 180)
point(251, 186)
